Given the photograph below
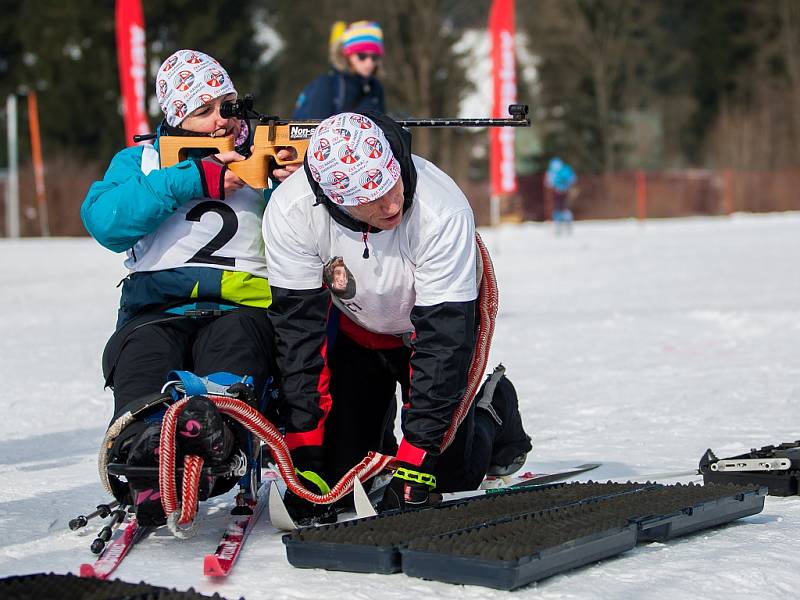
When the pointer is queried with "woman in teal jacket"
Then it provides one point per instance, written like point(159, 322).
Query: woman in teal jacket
point(196, 295)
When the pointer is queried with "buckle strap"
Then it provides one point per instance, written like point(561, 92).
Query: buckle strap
point(416, 476)
point(485, 401)
point(187, 383)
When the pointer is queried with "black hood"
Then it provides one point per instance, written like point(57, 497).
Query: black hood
point(400, 143)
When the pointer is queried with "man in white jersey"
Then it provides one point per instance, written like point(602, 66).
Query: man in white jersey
point(196, 295)
point(371, 255)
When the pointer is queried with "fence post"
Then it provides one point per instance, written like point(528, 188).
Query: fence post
point(548, 201)
point(494, 210)
point(38, 164)
point(12, 190)
point(641, 195)
point(727, 191)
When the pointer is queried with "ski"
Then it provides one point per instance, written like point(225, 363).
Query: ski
point(365, 503)
point(118, 547)
point(499, 484)
point(538, 479)
point(657, 476)
point(220, 563)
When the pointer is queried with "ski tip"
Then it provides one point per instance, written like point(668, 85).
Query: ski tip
point(87, 570)
point(361, 500)
point(211, 567)
point(278, 514)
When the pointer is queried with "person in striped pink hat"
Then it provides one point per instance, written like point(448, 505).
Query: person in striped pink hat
point(350, 84)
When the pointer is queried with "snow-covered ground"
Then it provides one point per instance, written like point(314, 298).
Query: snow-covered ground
point(638, 345)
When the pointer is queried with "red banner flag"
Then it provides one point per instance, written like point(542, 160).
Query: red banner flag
point(504, 82)
point(131, 62)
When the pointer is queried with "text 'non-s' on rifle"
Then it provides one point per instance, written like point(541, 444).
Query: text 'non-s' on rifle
point(272, 134)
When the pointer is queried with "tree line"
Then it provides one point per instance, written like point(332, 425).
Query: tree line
point(656, 85)
point(620, 84)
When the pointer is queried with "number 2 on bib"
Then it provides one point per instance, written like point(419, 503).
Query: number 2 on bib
point(230, 224)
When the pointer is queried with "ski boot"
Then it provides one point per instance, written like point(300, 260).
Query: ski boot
point(498, 397)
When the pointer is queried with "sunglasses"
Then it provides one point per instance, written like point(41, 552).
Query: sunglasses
point(362, 56)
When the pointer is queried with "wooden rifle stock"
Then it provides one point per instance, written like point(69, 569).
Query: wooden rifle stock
point(267, 141)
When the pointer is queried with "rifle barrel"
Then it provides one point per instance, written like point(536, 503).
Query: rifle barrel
point(432, 122)
point(519, 118)
point(464, 122)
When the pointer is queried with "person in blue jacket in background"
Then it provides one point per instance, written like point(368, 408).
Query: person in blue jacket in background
point(196, 295)
point(561, 178)
point(351, 83)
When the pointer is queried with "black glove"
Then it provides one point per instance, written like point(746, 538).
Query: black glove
point(203, 432)
point(309, 467)
point(409, 488)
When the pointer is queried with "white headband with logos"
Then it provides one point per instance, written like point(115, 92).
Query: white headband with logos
point(349, 156)
point(188, 79)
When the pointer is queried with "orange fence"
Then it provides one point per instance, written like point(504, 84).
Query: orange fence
point(67, 181)
point(633, 194)
point(638, 194)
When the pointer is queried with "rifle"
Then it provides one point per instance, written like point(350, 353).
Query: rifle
point(272, 134)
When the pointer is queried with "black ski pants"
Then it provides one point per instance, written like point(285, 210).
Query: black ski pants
point(362, 386)
point(139, 356)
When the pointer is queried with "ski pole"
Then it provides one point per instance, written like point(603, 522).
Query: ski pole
point(103, 510)
point(117, 517)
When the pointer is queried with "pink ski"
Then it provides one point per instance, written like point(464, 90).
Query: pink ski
point(221, 562)
point(119, 545)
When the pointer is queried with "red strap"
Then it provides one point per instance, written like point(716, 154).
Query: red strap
point(316, 435)
point(212, 174)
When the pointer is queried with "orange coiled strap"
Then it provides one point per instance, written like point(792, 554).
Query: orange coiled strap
point(488, 303)
point(259, 426)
